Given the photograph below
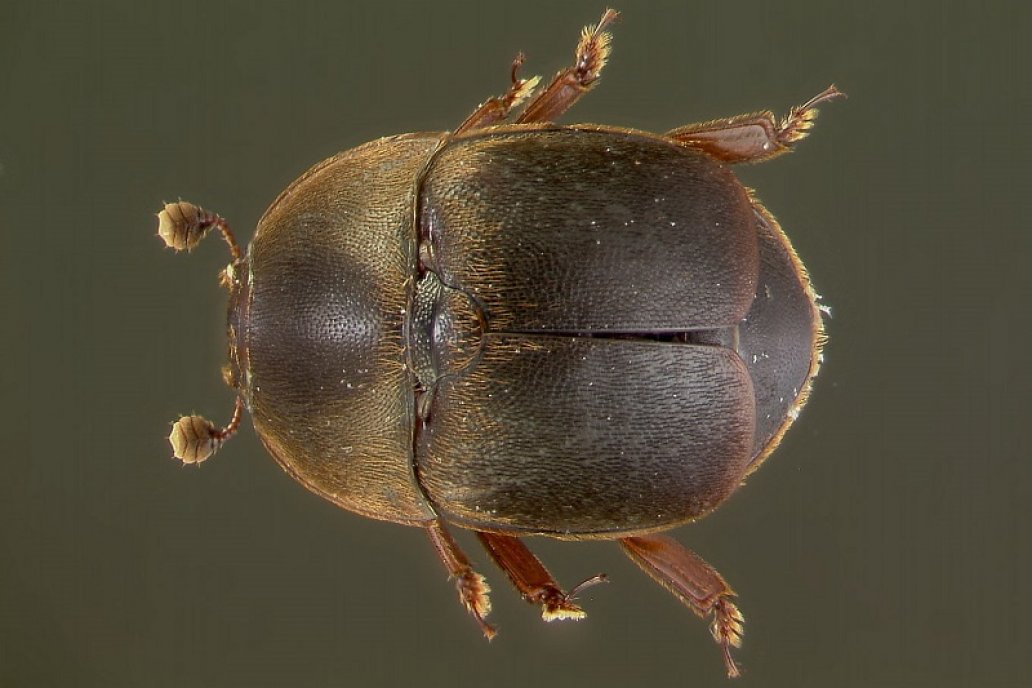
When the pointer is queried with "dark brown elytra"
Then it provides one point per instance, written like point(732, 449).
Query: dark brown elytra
point(584, 332)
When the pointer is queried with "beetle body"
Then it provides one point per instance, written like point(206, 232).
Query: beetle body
point(519, 330)
point(579, 332)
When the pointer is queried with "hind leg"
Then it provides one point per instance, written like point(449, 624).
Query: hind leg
point(695, 583)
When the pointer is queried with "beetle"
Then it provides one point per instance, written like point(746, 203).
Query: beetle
point(582, 332)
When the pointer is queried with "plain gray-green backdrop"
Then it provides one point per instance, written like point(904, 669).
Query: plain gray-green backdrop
point(887, 543)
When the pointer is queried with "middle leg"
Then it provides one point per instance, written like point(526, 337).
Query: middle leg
point(532, 579)
point(573, 82)
point(559, 96)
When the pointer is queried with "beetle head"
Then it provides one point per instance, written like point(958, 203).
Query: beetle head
point(235, 371)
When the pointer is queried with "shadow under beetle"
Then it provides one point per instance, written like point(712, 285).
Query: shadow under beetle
point(584, 332)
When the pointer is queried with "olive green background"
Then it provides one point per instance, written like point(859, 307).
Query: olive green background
point(887, 543)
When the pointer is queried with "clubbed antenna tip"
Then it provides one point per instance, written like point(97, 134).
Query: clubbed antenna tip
point(182, 225)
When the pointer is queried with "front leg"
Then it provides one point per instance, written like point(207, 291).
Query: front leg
point(496, 109)
point(756, 137)
point(695, 583)
point(471, 585)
